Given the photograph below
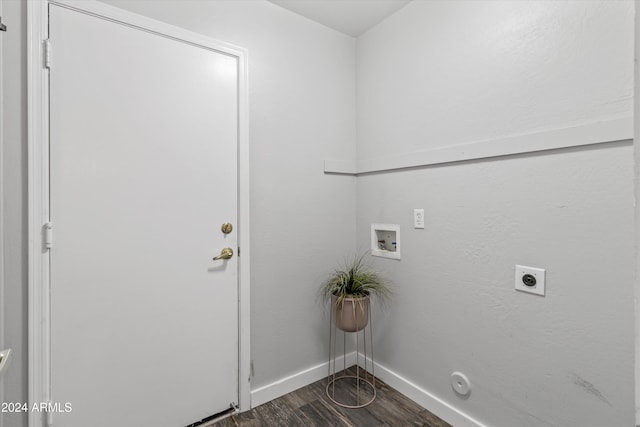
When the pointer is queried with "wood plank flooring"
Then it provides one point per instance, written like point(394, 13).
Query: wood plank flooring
point(310, 406)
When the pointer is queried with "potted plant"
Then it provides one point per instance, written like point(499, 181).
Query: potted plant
point(349, 289)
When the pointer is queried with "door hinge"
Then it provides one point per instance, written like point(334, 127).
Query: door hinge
point(46, 52)
point(48, 235)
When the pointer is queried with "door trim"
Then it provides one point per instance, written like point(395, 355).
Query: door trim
point(2, 270)
point(38, 186)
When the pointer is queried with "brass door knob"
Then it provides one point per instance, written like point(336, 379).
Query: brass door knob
point(227, 228)
point(226, 253)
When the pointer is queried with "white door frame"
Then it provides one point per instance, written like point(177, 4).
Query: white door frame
point(636, 150)
point(2, 270)
point(38, 184)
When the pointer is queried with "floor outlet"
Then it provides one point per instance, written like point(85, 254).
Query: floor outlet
point(530, 279)
point(460, 383)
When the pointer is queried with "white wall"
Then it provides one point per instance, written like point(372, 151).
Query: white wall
point(14, 183)
point(442, 73)
point(302, 110)
point(492, 68)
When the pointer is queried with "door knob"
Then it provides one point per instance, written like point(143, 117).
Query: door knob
point(227, 228)
point(226, 253)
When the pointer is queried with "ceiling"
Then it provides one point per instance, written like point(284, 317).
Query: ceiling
point(351, 17)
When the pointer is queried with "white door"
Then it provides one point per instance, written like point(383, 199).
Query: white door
point(143, 173)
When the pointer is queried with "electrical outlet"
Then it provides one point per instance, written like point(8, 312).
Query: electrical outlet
point(418, 218)
point(530, 279)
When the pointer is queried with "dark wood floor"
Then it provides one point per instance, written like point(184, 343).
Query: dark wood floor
point(310, 406)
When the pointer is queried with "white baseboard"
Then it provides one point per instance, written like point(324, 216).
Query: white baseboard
point(422, 397)
point(293, 382)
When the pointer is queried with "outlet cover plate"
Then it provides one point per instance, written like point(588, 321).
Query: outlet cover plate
point(524, 273)
point(418, 218)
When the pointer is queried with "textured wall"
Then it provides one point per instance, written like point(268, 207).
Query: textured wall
point(440, 73)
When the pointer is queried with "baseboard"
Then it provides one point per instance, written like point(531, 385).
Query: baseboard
point(293, 382)
point(422, 397)
point(434, 404)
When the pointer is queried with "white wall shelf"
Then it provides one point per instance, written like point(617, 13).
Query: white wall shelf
point(588, 134)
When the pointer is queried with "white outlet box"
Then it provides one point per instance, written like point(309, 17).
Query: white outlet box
point(418, 218)
point(385, 240)
point(530, 279)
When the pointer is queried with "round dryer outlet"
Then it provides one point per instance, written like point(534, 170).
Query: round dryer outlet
point(460, 383)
